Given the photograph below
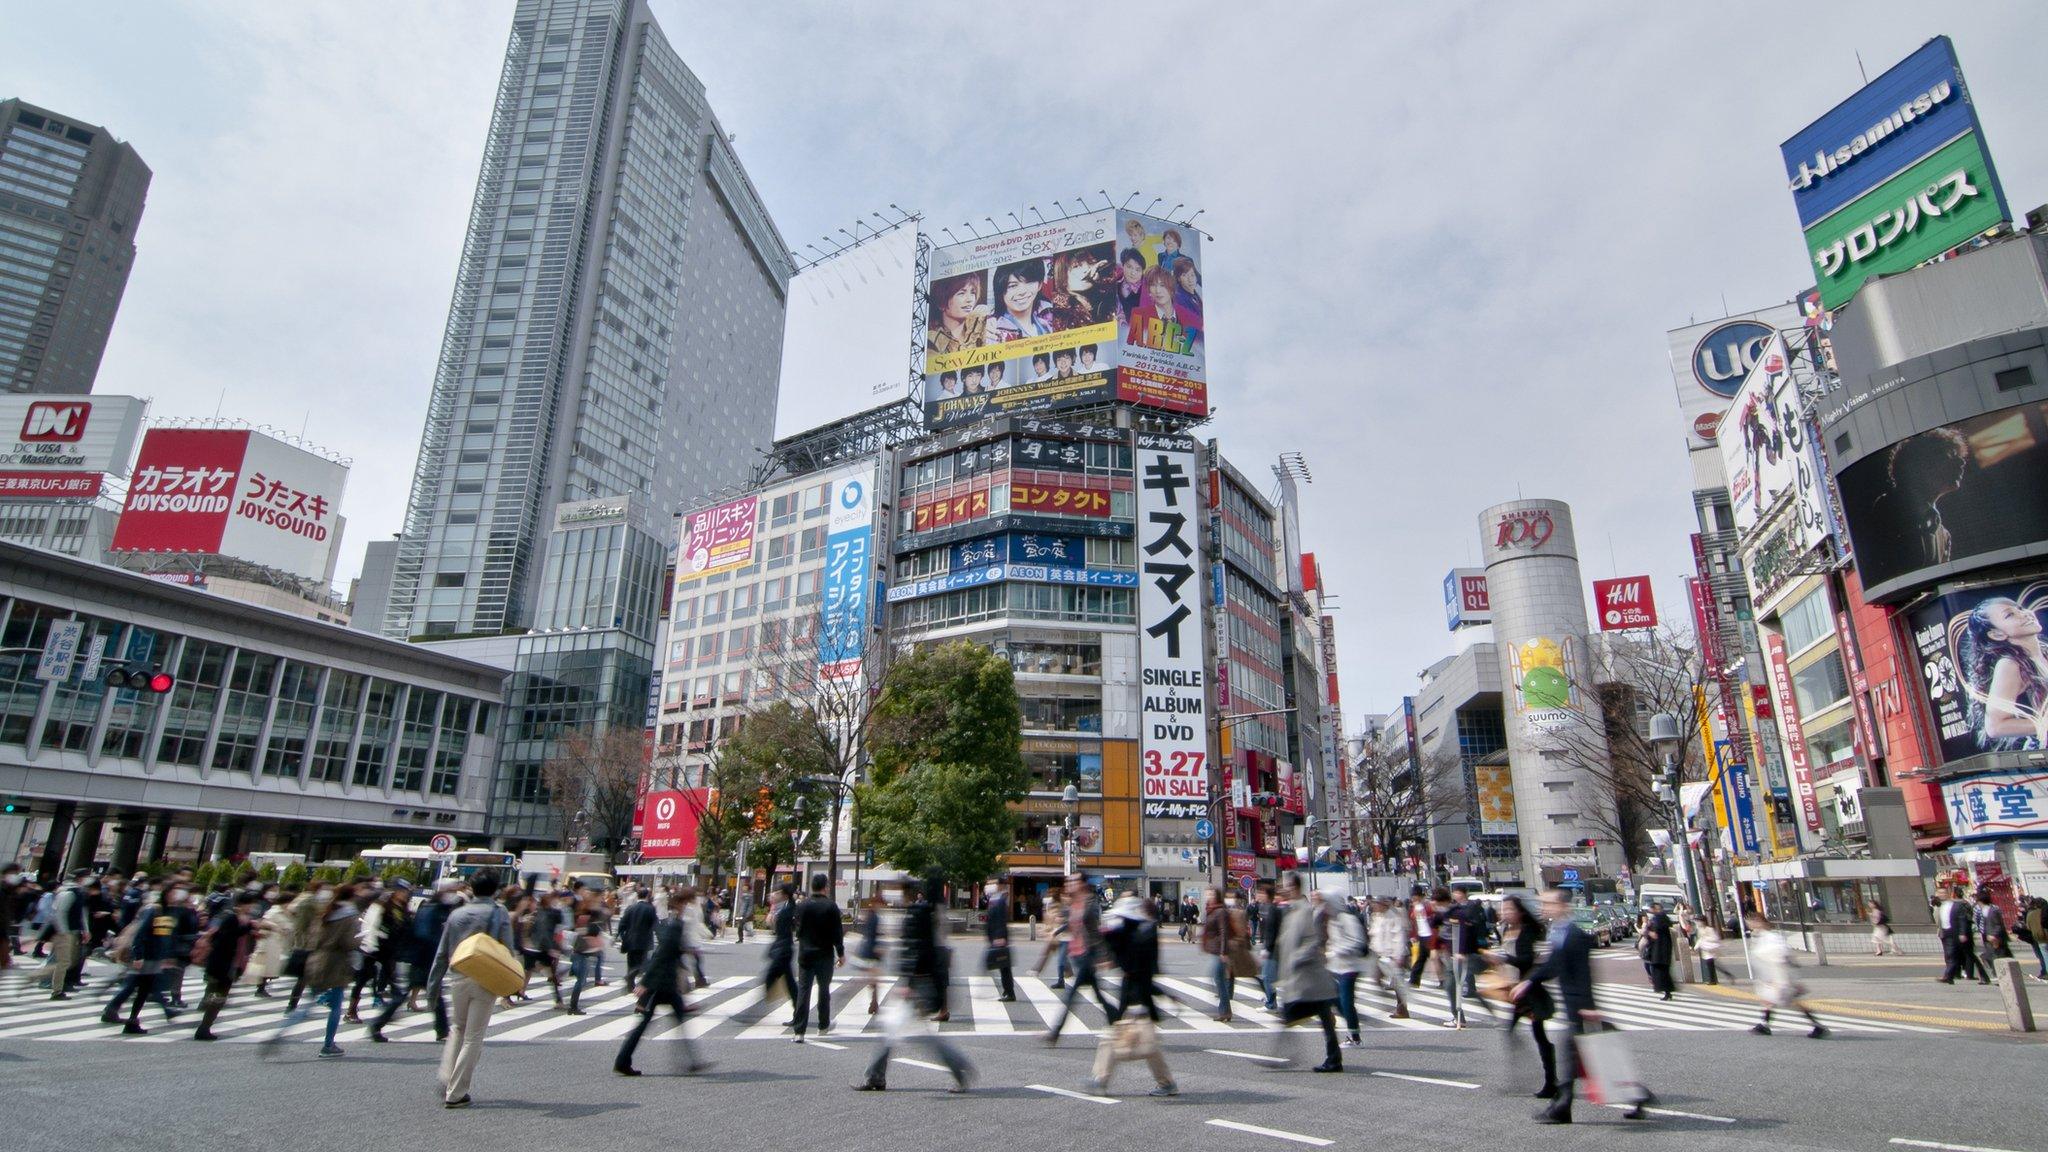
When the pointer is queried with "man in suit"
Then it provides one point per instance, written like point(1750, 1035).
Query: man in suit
point(1569, 966)
point(782, 945)
point(996, 927)
point(636, 934)
point(661, 986)
point(1956, 923)
point(820, 944)
point(1657, 950)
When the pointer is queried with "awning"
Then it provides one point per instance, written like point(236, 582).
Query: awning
point(1932, 843)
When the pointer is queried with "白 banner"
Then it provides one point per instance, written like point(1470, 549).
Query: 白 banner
point(1173, 711)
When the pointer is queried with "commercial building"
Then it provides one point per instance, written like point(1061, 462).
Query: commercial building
point(280, 734)
point(70, 202)
point(617, 321)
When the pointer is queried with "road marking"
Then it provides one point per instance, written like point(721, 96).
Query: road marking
point(1675, 1112)
point(1249, 1056)
point(1944, 1146)
point(1425, 1080)
point(990, 1016)
point(922, 1064)
point(826, 1044)
point(1071, 1094)
point(1276, 1133)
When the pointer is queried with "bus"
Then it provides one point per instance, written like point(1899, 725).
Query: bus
point(459, 864)
point(471, 862)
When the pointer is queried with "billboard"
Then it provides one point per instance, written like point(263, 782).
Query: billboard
point(1982, 666)
point(1894, 175)
point(1786, 707)
point(1545, 671)
point(1173, 711)
point(1969, 489)
point(233, 492)
point(1997, 805)
point(1466, 600)
point(1494, 791)
point(1624, 603)
point(58, 448)
point(849, 564)
point(668, 823)
point(1709, 362)
point(1101, 306)
point(717, 539)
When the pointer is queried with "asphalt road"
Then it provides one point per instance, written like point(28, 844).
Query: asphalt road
point(1406, 1088)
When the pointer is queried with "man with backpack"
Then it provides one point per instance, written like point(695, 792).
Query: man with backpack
point(221, 952)
point(65, 928)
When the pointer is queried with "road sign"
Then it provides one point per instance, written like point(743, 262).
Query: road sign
point(1248, 882)
point(1569, 876)
point(1204, 830)
point(95, 654)
point(441, 842)
point(60, 650)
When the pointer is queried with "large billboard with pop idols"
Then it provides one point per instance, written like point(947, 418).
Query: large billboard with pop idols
point(1098, 307)
point(1894, 175)
point(1974, 488)
point(1982, 665)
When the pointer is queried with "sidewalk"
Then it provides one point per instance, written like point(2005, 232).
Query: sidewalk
point(1905, 989)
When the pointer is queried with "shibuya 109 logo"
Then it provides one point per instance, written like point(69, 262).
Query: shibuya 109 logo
point(1530, 528)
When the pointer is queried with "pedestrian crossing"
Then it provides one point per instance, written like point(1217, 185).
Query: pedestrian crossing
point(736, 1008)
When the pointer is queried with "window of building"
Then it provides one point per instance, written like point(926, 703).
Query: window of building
point(1806, 621)
point(291, 724)
point(1820, 685)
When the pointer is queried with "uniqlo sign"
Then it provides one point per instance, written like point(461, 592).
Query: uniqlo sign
point(1624, 603)
point(232, 492)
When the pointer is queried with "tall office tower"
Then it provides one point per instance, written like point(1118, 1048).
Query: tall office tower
point(70, 199)
point(616, 328)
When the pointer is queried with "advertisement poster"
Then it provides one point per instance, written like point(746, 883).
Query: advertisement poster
point(1736, 801)
point(1997, 804)
point(232, 492)
point(1982, 665)
point(1709, 362)
point(1963, 490)
point(1624, 603)
point(1466, 600)
point(1058, 499)
point(59, 448)
point(1173, 712)
point(718, 539)
point(849, 563)
point(1787, 709)
point(1494, 785)
point(1545, 672)
point(668, 823)
point(1100, 306)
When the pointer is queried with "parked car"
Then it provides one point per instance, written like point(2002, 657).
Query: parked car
point(1595, 924)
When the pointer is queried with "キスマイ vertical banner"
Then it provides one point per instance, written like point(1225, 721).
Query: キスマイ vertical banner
point(1174, 710)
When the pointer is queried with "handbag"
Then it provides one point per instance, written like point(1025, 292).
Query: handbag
point(1134, 1038)
point(485, 960)
point(997, 957)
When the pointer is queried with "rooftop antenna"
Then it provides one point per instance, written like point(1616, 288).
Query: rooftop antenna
point(1128, 199)
point(1859, 68)
point(1155, 202)
point(1033, 209)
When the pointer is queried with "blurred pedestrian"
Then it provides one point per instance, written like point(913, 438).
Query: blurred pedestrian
point(996, 931)
point(781, 970)
point(1306, 987)
point(1656, 947)
point(1881, 935)
point(917, 956)
point(1216, 941)
point(1390, 945)
point(226, 946)
point(1131, 935)
point(1770, 956)
point(1083, 951)
point(662, 980)
point(330, 965)
point(1519, 932)
point(636, 934)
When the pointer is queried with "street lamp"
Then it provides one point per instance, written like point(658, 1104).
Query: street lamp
point(1070, 801)
point(1664, 739)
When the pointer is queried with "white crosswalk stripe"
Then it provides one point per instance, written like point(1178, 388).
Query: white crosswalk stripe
point(734, 1008)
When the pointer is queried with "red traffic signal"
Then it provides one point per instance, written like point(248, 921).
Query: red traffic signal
point(140, 678)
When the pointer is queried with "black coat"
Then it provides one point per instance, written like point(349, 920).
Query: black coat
point(996, 924)
point(1134, 944)
point(819, 934)
point(783, 946)
point(636, 926)
point(1570, 967)
point(1521, 956)
point(665, 962)
point(1657, 940)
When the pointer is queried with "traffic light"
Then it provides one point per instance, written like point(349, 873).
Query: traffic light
point(10, 807)
point(145, 678)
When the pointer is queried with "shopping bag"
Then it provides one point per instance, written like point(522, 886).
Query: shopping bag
point(484, 959)
point(1610, 1068)
point(1134, 1038)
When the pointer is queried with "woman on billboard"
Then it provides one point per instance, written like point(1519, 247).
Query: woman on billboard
point(1024, 314)
point(2005, 676)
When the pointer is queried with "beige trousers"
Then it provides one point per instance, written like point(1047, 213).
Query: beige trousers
point(469, 1017)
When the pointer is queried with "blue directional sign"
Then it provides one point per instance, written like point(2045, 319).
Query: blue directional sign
point(1570, 875)
point(1204, 830)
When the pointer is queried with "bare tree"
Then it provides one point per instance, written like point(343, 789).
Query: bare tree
point(1607, 740)
point(1397, 800)
point(596, 778)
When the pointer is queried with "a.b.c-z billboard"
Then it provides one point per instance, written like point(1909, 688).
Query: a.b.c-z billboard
point(1101, 306)
point(1894, 175)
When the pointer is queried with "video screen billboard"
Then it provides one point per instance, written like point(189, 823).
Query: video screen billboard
point(1969, 489)
point(1096, 307)
point(1982, 666)
point(232, 492)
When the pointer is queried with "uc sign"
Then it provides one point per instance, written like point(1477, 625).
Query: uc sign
point(1724, 356)
point(1531, 528)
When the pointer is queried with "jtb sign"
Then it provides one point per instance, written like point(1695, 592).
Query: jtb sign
point(1174, 709)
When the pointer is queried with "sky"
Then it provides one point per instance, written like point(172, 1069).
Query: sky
point(1446, 239)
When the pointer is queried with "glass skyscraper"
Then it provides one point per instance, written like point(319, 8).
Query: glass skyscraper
point(616, 328)
point(70, 199)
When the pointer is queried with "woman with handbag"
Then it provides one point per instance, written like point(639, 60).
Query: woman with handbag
point(1217, 942)
point(1519, 933)
point(1055, 923)
point(330, 966)
point(274, 943)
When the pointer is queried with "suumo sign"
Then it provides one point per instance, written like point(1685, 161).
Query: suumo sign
point(1529, 528)
point(1174, 709)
